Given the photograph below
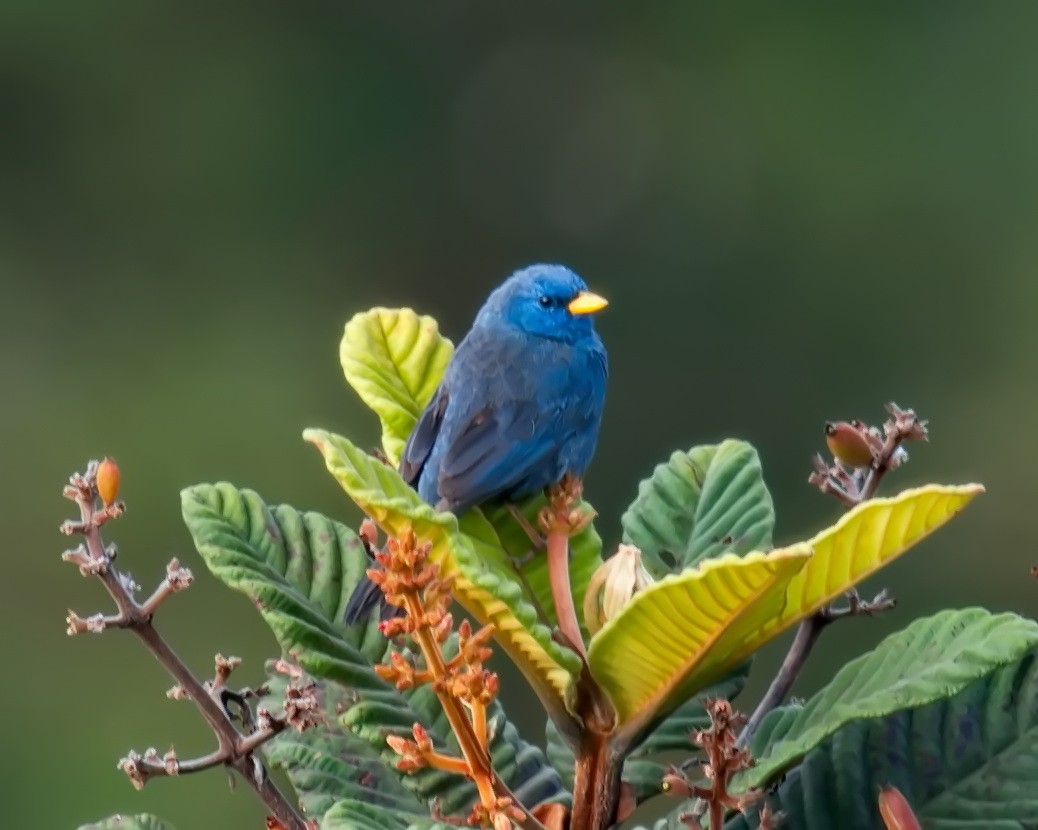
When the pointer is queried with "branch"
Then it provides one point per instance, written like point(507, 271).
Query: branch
point(850, 443)
point(234, 749)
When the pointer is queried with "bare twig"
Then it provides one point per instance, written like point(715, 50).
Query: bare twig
point(234, 749)
point(851, 487)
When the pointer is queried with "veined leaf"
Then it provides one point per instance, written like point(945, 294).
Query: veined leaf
point(394, 358)
point(141, 821)
point(676, 636)
point(966, 762)
point(701, 503)
point(302, 566)
point(485, 584)
point(933, 658)
point(865, 539)
point(235, 532)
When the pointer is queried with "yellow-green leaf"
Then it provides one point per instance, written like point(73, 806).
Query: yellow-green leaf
point(394, 358)
point(485, 582)
point(671, 639)
point(859, 544)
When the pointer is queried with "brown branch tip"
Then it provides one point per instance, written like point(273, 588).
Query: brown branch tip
point(464, 687)
point(724, 758)
point(863, 454)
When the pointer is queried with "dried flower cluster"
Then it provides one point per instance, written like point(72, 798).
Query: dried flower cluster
point(463, 685)
point(724, 758)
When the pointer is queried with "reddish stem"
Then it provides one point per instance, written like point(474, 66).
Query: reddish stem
point(561, 592)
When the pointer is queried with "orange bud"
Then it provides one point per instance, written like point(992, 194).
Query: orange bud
point(896, 812)
point(848, 444)
point(108, 481)
point(421, 738)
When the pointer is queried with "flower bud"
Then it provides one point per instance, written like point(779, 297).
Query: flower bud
point(108, 481)
point(613, 585)
point(895, 810)
point(850, 443)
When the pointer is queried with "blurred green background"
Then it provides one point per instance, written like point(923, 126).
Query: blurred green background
point(797, 214)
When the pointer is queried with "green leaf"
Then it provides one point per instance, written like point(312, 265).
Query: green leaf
point(931, 659)
point(677, 636)
point(967, 762)
point(141, 821)
point(485, 581)
point(394, 358)
point(560, 756)
point(699, 504)
point(242, 541)
point(292, 565)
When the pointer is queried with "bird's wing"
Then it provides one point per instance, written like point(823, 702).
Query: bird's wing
point(423, 436)
point(499, 449)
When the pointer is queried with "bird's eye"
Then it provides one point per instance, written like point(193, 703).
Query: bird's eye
point(544, 301)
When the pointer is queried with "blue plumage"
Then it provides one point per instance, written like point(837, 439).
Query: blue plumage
point(519, 405)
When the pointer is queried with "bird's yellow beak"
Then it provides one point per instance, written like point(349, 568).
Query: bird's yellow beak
point(586, 303)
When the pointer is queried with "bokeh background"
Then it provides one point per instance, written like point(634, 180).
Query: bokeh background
point(797, 214)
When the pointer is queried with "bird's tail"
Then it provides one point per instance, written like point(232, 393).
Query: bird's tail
point(365, 597)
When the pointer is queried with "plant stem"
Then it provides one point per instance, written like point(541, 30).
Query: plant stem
point(596, 784)
point(561, 592)
point(716, 815)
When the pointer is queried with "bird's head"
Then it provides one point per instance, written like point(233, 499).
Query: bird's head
point(546, 301)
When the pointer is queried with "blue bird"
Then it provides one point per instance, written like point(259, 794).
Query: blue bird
point(519, 405)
